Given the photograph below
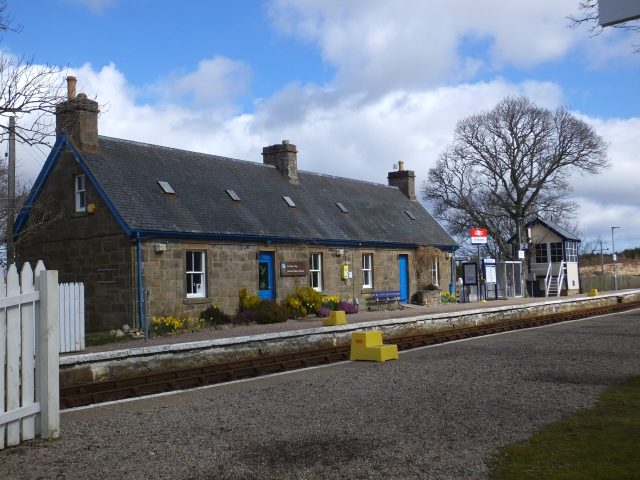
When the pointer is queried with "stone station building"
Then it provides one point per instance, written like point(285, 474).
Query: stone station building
point(179, 230)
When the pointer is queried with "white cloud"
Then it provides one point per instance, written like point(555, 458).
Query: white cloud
point(216, 81)
point(407, 44)
point(611, 199)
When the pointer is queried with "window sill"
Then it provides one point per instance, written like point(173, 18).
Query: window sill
point(196, 300)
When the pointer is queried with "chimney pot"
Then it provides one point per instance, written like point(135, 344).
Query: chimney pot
point(71, 87)
point(78, 118)
point(405, 180)
point(285, 158)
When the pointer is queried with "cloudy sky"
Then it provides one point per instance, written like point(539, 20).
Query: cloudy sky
point(357, 85)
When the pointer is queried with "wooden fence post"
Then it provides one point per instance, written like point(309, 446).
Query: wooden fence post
point(48, 367)
point(3, 353)
point(13, 355)
point(27, 320)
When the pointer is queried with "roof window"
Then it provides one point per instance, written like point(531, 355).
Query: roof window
point(342, 208)
point(289, 201)
point(410, 215)
point(234, 196)
point(166, 188)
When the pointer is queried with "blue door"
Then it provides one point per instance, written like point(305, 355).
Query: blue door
point(266, 287)
point(403, 271)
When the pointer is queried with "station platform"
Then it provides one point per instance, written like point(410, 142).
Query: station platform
point(213, 346)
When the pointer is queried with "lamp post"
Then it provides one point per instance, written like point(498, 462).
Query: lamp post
point(613, 251)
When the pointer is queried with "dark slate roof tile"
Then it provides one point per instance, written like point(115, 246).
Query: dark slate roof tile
point(129, 171)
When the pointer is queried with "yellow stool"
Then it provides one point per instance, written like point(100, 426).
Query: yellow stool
point(337, 317)
point(368, 346)
point(593, 292)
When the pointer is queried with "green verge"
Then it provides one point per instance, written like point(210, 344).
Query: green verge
point(602, 442)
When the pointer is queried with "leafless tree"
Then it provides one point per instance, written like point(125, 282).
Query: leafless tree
point(589, 16)
point(28, 92)
point(508, 165)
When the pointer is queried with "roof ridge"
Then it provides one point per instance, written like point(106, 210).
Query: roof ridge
point(164, 147)
point(306, 172)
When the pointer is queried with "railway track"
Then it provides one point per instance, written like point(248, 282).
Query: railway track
point(138, 386)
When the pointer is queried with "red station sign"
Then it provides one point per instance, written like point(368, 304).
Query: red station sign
point(478, 236)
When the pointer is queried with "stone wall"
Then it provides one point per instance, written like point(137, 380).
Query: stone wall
point(83, 247)
point(231, 267)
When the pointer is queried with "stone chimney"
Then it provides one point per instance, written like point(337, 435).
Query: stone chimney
point(405, 180)
point(284, 157)
point(78, 117)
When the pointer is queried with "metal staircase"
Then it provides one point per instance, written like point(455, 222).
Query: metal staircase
point(554, 280)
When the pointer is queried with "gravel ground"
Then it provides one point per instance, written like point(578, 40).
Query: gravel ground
point(437, 413)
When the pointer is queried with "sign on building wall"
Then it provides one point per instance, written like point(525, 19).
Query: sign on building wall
point(293, 269)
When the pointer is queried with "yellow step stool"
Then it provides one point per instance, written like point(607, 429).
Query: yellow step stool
point(337, 317)
point(592, 293)
point(368, 346)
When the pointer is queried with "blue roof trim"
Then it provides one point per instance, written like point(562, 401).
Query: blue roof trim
point(62, 141)
point(149, 234)
point(51, 161)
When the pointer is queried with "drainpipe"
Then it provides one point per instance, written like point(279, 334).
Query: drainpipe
point(141, 312)
point(452, 284)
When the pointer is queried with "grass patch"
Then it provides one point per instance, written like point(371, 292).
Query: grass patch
point(94, 339)
point(598, 443)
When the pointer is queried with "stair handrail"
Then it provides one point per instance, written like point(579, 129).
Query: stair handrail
point(561, 273)
point(547, 281)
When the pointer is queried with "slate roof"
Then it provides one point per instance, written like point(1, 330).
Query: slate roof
point(555, 228)
point(128, 173)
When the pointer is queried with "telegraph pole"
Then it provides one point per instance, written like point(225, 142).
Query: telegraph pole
point(11, 190)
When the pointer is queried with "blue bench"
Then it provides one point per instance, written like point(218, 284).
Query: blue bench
point(386, 299)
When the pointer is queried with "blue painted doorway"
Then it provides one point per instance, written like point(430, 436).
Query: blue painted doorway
point(403, 273)
point(266, 287)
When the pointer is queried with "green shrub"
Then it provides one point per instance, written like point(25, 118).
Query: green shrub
point(304, 302)
point(447, 297)
point(247, 302)
point(270, 312)
point(213, 316)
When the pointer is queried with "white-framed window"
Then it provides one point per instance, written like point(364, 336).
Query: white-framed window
point(367, 270)
point(435, 274)
point(541, 253)
point(315, 271)
point(572, 251)
point(556, 252)
point(81, 193)
point(195, 271)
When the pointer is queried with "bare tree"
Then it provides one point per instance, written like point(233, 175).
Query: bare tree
point(508, 165)
point(589, 16)
point(28, 92)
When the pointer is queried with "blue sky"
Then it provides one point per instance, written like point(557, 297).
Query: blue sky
point(357, 85)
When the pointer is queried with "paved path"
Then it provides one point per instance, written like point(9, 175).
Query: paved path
point(312, 322)
point(437, 413)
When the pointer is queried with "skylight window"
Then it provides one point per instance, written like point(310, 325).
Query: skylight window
point(342, 208)
point(289, 201)
point(410, 215)
point(166, 188)
point(234, 196)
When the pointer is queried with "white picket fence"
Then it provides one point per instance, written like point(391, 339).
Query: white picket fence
point(71, 314)
point(29, 388)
